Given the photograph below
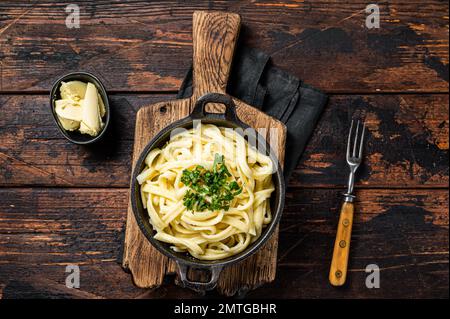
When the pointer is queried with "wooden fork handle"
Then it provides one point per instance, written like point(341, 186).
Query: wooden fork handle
point(338, 270)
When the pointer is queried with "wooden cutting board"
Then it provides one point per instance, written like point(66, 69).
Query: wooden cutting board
point(214, 39)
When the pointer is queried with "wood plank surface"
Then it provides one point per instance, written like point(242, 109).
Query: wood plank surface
point(407, 144)
point(146, 46)
point(404, 232)
point(64, 204)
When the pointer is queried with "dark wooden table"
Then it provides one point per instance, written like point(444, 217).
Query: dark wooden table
point(63, 204)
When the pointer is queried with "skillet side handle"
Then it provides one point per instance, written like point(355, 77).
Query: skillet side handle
point(214, 39)
point(199, 110)
point(197, 285)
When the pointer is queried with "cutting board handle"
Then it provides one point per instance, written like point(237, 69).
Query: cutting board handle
point(214, 40)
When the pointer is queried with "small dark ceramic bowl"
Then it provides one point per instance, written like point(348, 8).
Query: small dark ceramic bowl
point(75, 136)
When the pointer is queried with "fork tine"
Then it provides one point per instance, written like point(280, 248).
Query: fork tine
point(361, 142)
point(356, 139)
point(349, 140)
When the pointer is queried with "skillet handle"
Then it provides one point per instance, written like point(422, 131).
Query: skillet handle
point(197, 285)
point(230, 108)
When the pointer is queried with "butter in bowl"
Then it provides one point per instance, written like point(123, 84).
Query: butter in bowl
point(80, 107)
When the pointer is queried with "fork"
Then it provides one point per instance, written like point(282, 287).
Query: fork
point(338, 269)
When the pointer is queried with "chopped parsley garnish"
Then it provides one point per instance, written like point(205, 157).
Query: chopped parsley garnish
point(209, 189)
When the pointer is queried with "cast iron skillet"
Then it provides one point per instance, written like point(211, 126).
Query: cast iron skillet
point(184, 260)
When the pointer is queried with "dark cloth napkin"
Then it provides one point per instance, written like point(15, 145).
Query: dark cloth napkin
point(257, 82)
